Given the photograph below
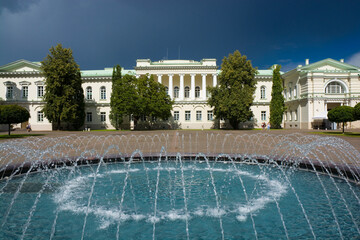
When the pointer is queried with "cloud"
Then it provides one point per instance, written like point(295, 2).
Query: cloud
point(354, 59)
point(16, 6)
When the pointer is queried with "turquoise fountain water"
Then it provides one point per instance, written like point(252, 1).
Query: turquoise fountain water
point(223, 187)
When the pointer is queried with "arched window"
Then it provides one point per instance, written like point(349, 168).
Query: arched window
point(88, 93)
point(167, 90)
point(262, 92)
point(187, 92)
point(102, 93)
point(176, 92)
point(197, 91)
point(334, 87)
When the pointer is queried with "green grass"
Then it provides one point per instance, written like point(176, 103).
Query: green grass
point(349, 134)
point(19, 135)
point(106, 130)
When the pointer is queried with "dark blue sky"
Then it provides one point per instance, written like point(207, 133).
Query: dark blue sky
point(108, 32)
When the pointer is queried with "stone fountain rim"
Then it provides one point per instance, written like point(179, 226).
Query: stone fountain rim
point(308, 165)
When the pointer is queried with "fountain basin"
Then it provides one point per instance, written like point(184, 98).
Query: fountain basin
point(173, 199)
point(85, 192)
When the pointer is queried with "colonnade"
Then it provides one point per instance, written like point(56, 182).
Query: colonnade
point(192, 85)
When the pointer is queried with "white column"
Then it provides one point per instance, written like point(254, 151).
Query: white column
point(137, 75)
point(171, 89)
point(159, 78)
point(181, 93)
point(203, 88)
point(192, 89)
point(214, 80)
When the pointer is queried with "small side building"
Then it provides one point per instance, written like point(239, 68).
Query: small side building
point(314, 89)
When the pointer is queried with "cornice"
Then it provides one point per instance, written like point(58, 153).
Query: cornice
point(261, 103)
point(321, 98)
point(264, 77)
point(21, 73)
point(190, 102)
point(96, 78)
point(175, 67)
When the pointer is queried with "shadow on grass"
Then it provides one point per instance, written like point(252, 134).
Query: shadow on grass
point(349, 134)
point(19, 136)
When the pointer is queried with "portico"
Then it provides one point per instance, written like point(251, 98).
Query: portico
point(186, 80)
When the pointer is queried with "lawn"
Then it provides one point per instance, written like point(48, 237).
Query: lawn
point(349, 134)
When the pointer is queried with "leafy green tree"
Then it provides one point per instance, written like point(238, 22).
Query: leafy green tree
point(277, 105)
point(342, 114)
point(10, 114)
point(357, 111)
point(152, 101)
point(64, 96)
point(233, 97)
point(123, 96)
point(137, 97)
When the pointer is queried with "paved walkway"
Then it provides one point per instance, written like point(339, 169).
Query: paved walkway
point(323, 152)
point(354, 141)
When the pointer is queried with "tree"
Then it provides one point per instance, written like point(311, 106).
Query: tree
point(10, 114)
point(123, 96)
point(342, 114)
point(152, 101)
point(64, 96)
point(233, 97)
point(139, 97)
point(277, 105)
point(357, 111)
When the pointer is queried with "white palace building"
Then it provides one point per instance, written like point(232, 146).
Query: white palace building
point(310, 91)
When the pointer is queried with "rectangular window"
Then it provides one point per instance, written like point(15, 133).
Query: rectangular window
point(103, 93)
point(210, 115)
point(290, 93)
point(187, 116)
point(89, 93)
point(40, 116)
point(263, 115)
point(295, 91)
point(176, 115)
point(89, 116)
point(285, 96)
point(262, 92)
point(25, 91)
point(103, 116)
point(9, 92)
point(198, 115)
point(40, 91)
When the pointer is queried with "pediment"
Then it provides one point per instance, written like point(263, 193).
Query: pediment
point(21, 66)
point(329, 65)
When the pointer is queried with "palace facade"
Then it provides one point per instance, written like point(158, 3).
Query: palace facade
point(310, 91)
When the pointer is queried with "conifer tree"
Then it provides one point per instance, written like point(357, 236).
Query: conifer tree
point(123, 96)
point(64, 95)
point(234, 95)
point(277, 105)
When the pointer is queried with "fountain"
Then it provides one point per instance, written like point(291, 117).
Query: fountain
point(188, 186)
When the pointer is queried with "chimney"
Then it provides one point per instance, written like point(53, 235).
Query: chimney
point(307, 61)
point(342, 60)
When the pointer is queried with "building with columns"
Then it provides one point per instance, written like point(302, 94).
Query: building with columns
point(310, 91)
point(186, 82)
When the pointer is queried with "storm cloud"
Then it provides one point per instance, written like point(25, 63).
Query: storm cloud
point(104, 33)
